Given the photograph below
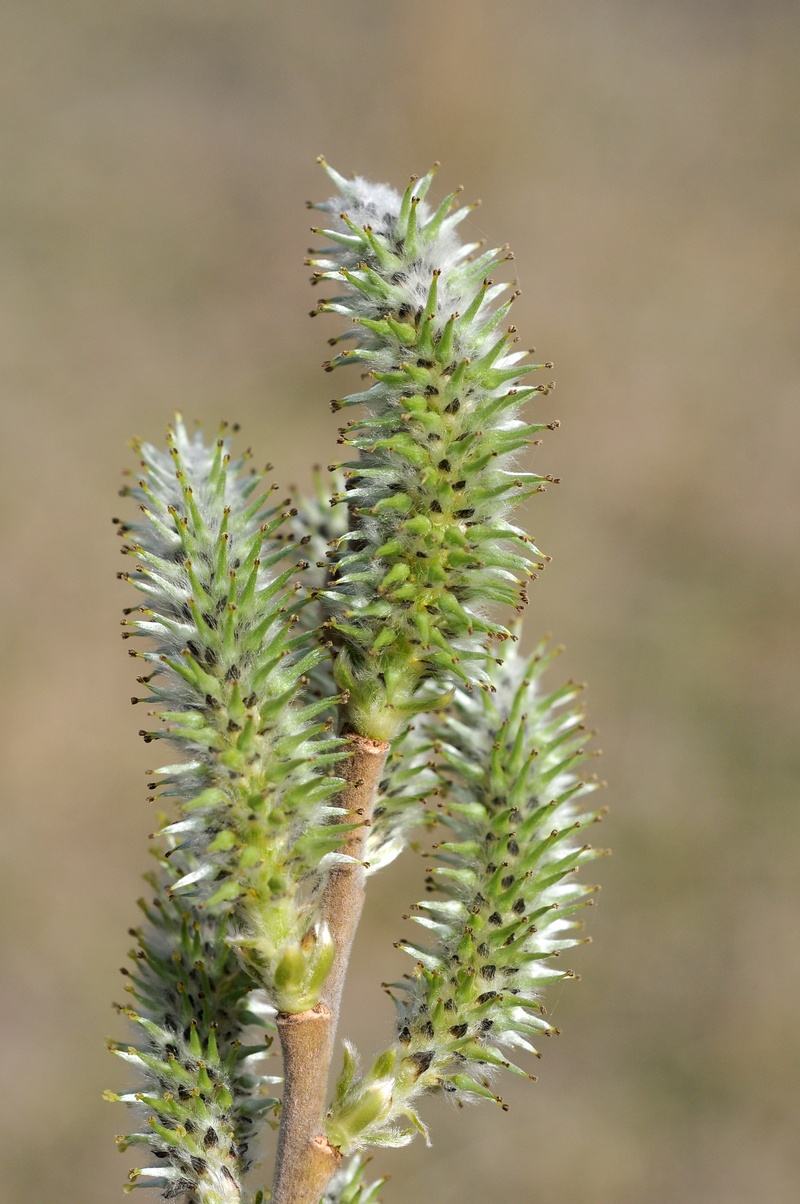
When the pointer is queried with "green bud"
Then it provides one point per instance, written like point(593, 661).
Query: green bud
point(301, 971)
point(362, 1110)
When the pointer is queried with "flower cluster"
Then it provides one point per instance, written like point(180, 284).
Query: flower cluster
point(507, 911)
point(256, 786)
point(200, 1095)
point(428, 544)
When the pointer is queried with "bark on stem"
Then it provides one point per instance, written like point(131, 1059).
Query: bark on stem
point(343, 897)
point(306, 1162)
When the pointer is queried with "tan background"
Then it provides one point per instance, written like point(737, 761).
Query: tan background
point(642, 160)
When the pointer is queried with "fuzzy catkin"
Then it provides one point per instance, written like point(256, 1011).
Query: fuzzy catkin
point(429, 546)
point(200, 1095)
point(256, 786)
point(504, 908)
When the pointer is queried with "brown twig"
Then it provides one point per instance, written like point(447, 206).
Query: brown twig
point(305, 1161)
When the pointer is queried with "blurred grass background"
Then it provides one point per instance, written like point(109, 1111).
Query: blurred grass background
point(642, 160)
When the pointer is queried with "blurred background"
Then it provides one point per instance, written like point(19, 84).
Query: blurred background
point(642, 160)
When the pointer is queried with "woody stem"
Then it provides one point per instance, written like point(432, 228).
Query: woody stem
point(306, 1162)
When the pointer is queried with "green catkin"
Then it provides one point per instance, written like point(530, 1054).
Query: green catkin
point(229, 666)
point(506, 908)
point(428, 545)
point(200, 1096)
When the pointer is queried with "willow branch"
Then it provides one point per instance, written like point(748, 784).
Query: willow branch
point(306, 1162)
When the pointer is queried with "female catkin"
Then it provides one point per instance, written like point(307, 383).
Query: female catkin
point(256, 787)
point(429, 546)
